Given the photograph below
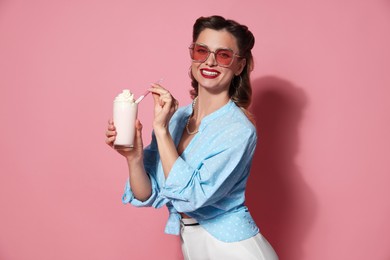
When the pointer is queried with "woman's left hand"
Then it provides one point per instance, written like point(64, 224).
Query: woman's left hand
point(165, 106)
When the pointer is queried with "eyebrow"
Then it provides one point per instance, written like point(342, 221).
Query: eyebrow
point(222, 48)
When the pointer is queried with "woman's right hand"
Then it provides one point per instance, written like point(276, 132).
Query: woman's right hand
point(135, 153)
point(165, 105)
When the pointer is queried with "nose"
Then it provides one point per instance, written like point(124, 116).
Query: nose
point(211, 59)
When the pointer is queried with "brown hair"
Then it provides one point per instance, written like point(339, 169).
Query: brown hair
point(240, 90)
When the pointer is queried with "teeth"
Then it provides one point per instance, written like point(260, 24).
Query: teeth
point(209, 73)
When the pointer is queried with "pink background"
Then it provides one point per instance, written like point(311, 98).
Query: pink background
point(319, 185)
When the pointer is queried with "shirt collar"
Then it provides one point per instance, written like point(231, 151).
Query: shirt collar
point(217, 113)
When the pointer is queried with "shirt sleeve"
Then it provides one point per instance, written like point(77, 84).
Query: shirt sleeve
point(150, 164)
point(189, 188)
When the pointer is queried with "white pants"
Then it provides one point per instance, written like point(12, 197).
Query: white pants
point(198, 244)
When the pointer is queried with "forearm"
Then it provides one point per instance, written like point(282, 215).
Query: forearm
point(166, 149)
point(139, 180)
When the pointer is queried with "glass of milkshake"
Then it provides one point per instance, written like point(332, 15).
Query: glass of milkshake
point(124, 116)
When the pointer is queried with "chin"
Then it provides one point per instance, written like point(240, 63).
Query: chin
point(214, 88)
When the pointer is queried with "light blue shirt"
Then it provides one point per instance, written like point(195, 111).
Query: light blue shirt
point(207, 182)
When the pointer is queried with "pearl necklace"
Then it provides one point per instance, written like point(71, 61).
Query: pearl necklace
point(189, 118)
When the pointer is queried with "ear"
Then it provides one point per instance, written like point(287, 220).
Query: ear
point(240, 66)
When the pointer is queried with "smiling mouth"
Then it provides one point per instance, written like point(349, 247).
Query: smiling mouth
point(209, 73)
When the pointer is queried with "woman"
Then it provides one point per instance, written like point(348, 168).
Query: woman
point(200, 156)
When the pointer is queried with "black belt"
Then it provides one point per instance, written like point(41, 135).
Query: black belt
point(192, 224)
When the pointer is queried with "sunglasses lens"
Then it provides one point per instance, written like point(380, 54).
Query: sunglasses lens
point(224, 57)
point(199, 53)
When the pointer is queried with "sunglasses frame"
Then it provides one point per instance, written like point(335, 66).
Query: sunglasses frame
point(192, 47)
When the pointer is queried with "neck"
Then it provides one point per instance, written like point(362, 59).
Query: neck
point(207, 103)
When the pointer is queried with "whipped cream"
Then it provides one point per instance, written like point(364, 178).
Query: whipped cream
point(125, 96)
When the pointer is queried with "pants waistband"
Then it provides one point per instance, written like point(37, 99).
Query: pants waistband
point(189, 222)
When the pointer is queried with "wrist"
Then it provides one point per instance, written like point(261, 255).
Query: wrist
point(132, 161)
point(160, 130)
